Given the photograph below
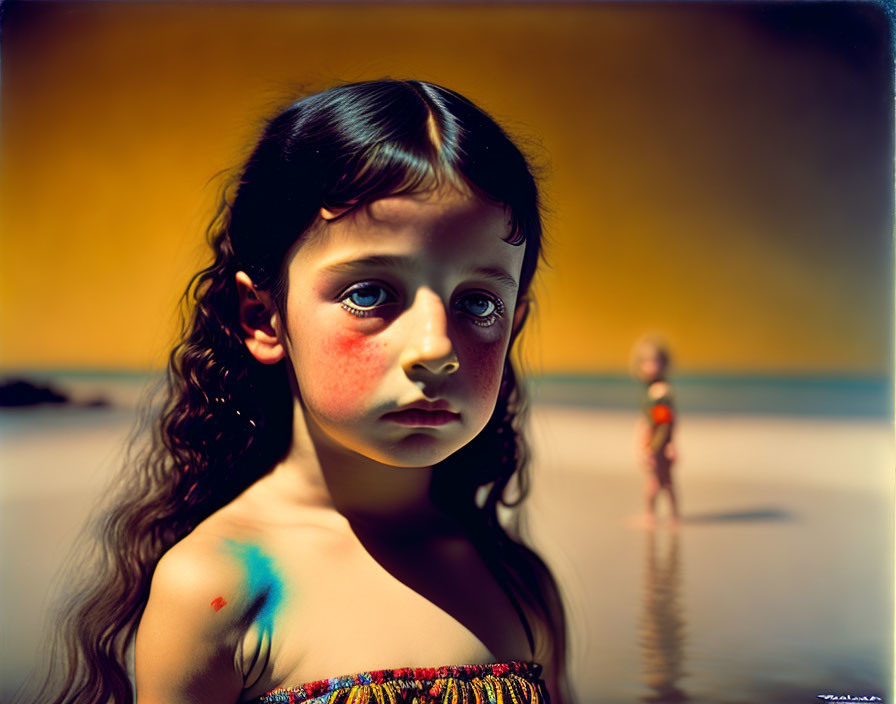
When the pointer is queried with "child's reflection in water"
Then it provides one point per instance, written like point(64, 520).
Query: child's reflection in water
point(662, 620)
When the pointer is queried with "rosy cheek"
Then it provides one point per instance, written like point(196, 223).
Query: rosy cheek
point(351, 366)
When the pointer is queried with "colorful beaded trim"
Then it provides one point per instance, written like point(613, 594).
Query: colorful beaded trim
point(511, 682)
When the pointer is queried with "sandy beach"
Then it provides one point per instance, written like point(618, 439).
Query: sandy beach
point(777, 584)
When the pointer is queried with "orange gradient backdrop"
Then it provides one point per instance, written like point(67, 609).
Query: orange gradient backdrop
point(721, 174)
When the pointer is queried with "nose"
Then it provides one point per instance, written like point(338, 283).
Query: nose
point(429, 348)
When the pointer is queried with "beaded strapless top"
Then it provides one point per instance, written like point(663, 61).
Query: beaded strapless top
point(504, 683)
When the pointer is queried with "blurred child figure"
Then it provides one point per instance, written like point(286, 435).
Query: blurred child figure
point(656, 451)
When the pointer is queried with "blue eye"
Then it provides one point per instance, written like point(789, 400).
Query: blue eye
point(364, 299)
point(367, 297)
point(483, 308)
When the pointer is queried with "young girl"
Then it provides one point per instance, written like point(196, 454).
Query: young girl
point(342, 423)
point(650, 362)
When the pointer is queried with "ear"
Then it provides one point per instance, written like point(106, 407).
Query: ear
point(519, 317)
point(260, 321)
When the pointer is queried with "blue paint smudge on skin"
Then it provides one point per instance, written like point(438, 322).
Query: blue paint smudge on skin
point(263, 582)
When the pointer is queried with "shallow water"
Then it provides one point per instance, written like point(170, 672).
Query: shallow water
point(765, 592)
point(774, 588)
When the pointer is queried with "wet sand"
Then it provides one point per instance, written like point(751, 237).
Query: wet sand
point(777, 586)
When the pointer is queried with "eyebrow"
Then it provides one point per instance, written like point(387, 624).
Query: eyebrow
point(497, 274)
point(385, 261)
point(380, 261)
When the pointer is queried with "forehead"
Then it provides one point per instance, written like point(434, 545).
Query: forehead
point(650, 353)
point(442, 228)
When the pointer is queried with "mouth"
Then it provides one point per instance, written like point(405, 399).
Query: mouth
point(424, 414)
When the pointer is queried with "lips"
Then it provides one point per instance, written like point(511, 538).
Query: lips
point(422, 414)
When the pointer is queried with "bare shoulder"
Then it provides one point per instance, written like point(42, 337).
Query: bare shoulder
point(189, 634)
point(658, 389)
point(195, 572)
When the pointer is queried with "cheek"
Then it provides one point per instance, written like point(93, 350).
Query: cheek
point(350, 366)
point(485, 363)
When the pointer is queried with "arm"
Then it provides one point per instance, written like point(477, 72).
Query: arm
point(662, 417)
point(186, 641)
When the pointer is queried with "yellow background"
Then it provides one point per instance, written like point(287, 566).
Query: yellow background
point(707, 175)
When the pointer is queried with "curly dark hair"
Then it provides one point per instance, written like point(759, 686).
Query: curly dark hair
point(227, 419)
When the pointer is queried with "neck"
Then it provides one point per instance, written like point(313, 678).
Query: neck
point(318, 472)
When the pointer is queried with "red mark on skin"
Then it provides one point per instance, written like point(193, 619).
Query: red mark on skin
point(218, 603)
point(354, 363)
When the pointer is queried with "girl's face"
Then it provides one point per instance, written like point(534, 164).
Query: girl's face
point(398, 320)
point(650, 366)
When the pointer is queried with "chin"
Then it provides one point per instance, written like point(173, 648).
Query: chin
point(418, 450)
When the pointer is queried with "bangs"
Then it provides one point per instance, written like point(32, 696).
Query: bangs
point(353, 144)
point(390, 169)
point(421, 146)
point(393, 169)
